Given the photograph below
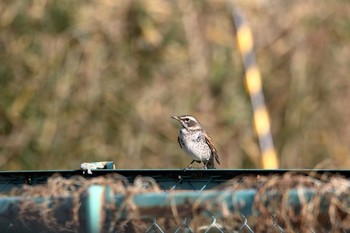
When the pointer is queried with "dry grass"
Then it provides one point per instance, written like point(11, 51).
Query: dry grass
point(99, 80)
point(318, 202)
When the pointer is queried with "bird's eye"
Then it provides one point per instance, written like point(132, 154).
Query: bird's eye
point(186, 119)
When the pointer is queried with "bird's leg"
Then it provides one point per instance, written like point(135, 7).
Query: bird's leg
point(209, 164)
point(189, 165)
point(205, 164)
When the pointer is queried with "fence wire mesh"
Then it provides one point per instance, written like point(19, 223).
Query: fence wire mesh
point(275, 203)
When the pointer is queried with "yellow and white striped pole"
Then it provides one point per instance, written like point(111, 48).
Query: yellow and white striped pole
point(254, 87)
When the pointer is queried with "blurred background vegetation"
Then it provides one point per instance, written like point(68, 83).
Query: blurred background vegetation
point(98, 80)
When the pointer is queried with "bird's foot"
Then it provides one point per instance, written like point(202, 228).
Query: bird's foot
point(188, 168)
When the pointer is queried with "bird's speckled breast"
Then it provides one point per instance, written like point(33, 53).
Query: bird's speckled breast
point(194, 144)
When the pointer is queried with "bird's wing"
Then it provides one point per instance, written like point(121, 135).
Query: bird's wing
point(178, 140)
point(210, 143)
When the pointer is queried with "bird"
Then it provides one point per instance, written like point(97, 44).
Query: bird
point(196, 142)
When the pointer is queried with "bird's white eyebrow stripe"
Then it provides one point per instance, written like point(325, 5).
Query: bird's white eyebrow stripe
point(190, 118)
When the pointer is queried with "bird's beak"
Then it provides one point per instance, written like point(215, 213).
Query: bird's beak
point(175, 118)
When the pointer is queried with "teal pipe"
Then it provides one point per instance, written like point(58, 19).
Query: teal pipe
point(95, 202)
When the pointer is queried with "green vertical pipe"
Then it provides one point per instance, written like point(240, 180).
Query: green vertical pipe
point(95, 202)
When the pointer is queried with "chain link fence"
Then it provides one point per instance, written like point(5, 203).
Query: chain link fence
point(110, 202)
